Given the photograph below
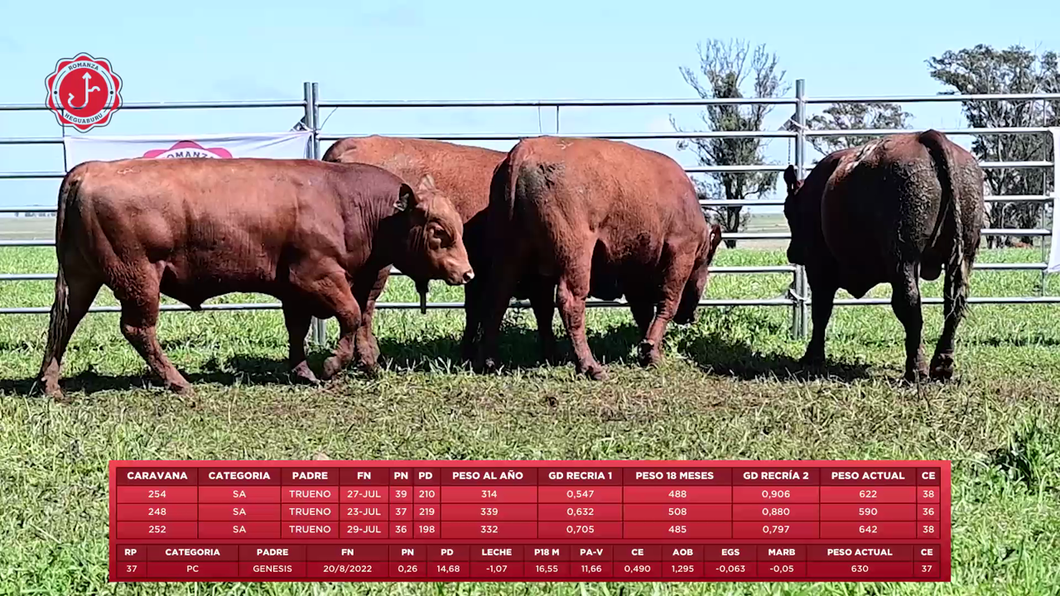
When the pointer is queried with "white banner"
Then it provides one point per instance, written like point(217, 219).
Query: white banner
point(1054, 255)
point(280, 145)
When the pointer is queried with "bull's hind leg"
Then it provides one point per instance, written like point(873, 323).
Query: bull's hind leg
point(954, 301)
point(542, 295)
point(74, 295)
point(678, 269)
point(139, 321)
point(298, 319)
point(570, 296)
point(905, 300)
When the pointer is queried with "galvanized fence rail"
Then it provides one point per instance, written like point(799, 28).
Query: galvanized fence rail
point(798, 298)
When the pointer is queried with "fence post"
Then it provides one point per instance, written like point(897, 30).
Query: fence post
point(1054, 253)
point(799, 311)
point(318, 331)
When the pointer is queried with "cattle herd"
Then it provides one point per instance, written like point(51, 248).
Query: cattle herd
point(555, 221)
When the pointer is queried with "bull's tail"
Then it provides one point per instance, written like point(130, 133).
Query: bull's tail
point(57, 327)
point(949, 208)
point(502, 199)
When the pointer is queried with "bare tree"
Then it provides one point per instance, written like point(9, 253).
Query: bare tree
point(729, 70)
point(855, 116)
point(982, 69)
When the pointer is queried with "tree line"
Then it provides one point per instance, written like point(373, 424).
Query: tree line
point(735, 69)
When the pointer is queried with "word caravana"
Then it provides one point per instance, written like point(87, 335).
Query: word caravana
point(156, 475)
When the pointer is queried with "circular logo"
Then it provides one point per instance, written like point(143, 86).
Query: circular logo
point(83, 92)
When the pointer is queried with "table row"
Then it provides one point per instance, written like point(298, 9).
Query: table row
point(635, 474)
point(507, 552)
point(132, 530)
point(526, 512)
point(818, 571)
point(529, 494)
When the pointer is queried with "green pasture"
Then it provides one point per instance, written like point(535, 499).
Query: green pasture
point(729, 388)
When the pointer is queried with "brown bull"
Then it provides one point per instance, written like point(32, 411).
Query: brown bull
point(601, 218)
point(890, 211)
point(314, 235)
point(463, 174)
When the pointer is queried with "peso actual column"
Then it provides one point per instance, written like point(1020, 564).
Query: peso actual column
point(495, 504)
point(678, 504)
point(152, 504)
point(778, 506)
point(576, 503)
point(310, 499)
point(867, 504)
point(866, 508)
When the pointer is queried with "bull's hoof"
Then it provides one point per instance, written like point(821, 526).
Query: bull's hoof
point(483, 365)
point(596, 372)
point(648, 354)
point(181, 388)
point(302, 374)
point(369, 368)
point(942, 367)
point(332, 366)
point(53, 391)
point(812, 359)
point(915, 374)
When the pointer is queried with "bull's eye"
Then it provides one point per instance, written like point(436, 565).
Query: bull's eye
point(439, 238)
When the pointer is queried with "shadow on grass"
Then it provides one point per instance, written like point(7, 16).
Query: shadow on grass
point(519, 349)
point(714, 353)
point(237, 370)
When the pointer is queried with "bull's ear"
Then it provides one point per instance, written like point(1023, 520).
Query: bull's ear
point(427, 184)
point(406, 199)
point(789, 178)
point(715, 238)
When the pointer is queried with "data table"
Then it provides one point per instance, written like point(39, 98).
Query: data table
point(530, 520)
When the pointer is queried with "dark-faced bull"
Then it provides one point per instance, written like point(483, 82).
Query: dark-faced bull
point(891, 211)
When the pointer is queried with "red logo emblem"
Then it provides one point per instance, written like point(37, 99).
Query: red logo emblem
point(189, 149)
point(83, 92)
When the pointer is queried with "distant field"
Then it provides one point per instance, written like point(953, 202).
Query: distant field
point(728, 389)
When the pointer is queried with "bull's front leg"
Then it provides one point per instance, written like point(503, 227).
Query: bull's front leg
point(297, 319)
point(474, 305)
point(333, 293)
point(823, 302)
point(367, 288)
point(905, 300)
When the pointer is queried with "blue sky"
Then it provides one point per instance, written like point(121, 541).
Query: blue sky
point(414, 49)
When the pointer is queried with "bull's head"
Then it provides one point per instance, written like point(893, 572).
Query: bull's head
point(434, 244)
point(697, 282)
point(793, 212)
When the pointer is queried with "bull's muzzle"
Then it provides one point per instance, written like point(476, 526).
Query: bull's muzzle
point(462, 278)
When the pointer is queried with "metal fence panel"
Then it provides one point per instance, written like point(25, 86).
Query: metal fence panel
point(798, 299)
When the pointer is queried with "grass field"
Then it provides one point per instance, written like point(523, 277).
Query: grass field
point(728, 389)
